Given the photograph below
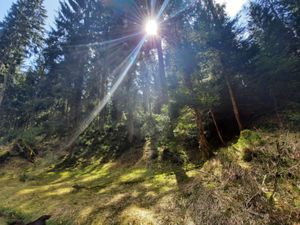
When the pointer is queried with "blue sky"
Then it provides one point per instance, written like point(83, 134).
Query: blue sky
point(233, 6)
point(50, 5)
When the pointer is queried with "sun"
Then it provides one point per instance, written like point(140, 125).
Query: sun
point(151, 27)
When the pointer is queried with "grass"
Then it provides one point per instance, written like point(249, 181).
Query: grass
point(109, 191)
point(226, 188)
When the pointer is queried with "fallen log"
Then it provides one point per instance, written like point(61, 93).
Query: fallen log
point(23, 150)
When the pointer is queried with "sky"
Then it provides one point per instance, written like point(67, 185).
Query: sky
point(233, 7)
point(50, 5)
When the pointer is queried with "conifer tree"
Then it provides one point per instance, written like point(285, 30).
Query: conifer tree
point(21, 33)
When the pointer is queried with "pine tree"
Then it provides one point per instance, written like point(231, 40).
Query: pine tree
point(79, 64)
point(273, 67)
point(21, 33)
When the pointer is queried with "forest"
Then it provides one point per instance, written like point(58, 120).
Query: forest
point(150, 112)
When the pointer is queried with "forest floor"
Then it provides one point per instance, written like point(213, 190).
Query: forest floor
point(253, 181)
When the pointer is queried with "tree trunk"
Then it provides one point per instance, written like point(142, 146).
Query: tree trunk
point(65, 112)
point(2, 91)
point(203, 143)
point(101, 96)
point(280, 123)
point(231, 93)
point(130, 107)
point(146, 89)
point(130, 126)
point(5, 72)
point(234, 103)
point(77, 100)
point(217, 127)
point(162, 75)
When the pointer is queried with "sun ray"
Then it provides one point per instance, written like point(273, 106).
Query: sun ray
point(182, 10)
point(80, 48)
point(140, 13)
point(128, 62)
point(153, 6)
point(162, 9)
point(110, 42)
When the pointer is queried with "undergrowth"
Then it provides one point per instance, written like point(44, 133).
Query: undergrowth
point(254, 181)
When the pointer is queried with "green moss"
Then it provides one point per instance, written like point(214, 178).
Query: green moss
point(110, 191)
point(135, 174)
point(248, 138)
point(53, 192)
point(10, 215)
point(210, 185)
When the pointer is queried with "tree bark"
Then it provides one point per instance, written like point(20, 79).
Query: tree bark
point(203, 143)
point(101, 96)
point(217, 127)
point(280, 123)
point(2, 91)
point(130, 126)
point(130, 107)
point(231, 93)
point(146, 89)
point(77, 99)
point(6, 81)
point(65, 112)
point(162, 75)
point(234, 103)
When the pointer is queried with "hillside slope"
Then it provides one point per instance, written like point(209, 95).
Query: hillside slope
point(253, 181)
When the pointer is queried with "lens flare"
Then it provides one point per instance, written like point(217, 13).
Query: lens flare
point(151, 27)
point(127, 63)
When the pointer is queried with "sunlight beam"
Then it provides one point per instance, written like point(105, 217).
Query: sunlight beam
point(153, 6)
point(162, 9)
point(187, 7)
point(130, 60)
point(114, 41)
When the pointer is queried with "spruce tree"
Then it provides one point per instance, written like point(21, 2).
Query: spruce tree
point(76, 59)
point(21, 33)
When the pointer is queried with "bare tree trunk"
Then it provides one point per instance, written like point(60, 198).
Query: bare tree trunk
point(130, 126)
point(147, 95)
point(4, 84)
point(146, 89)
point(2, 91)
point(101, 96)
point(65, 112)
point(280, 123)
point(234, 103)
point(130, 107)
point(203, 143)
point(77, 103)
point(217, 127)
point(162, 74)
point(231, 93)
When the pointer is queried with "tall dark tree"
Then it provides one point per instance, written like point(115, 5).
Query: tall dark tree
point(21, 33)
point(273, 67)
point(75, 58)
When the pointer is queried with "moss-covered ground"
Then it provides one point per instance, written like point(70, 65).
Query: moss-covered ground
point(254, 181)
